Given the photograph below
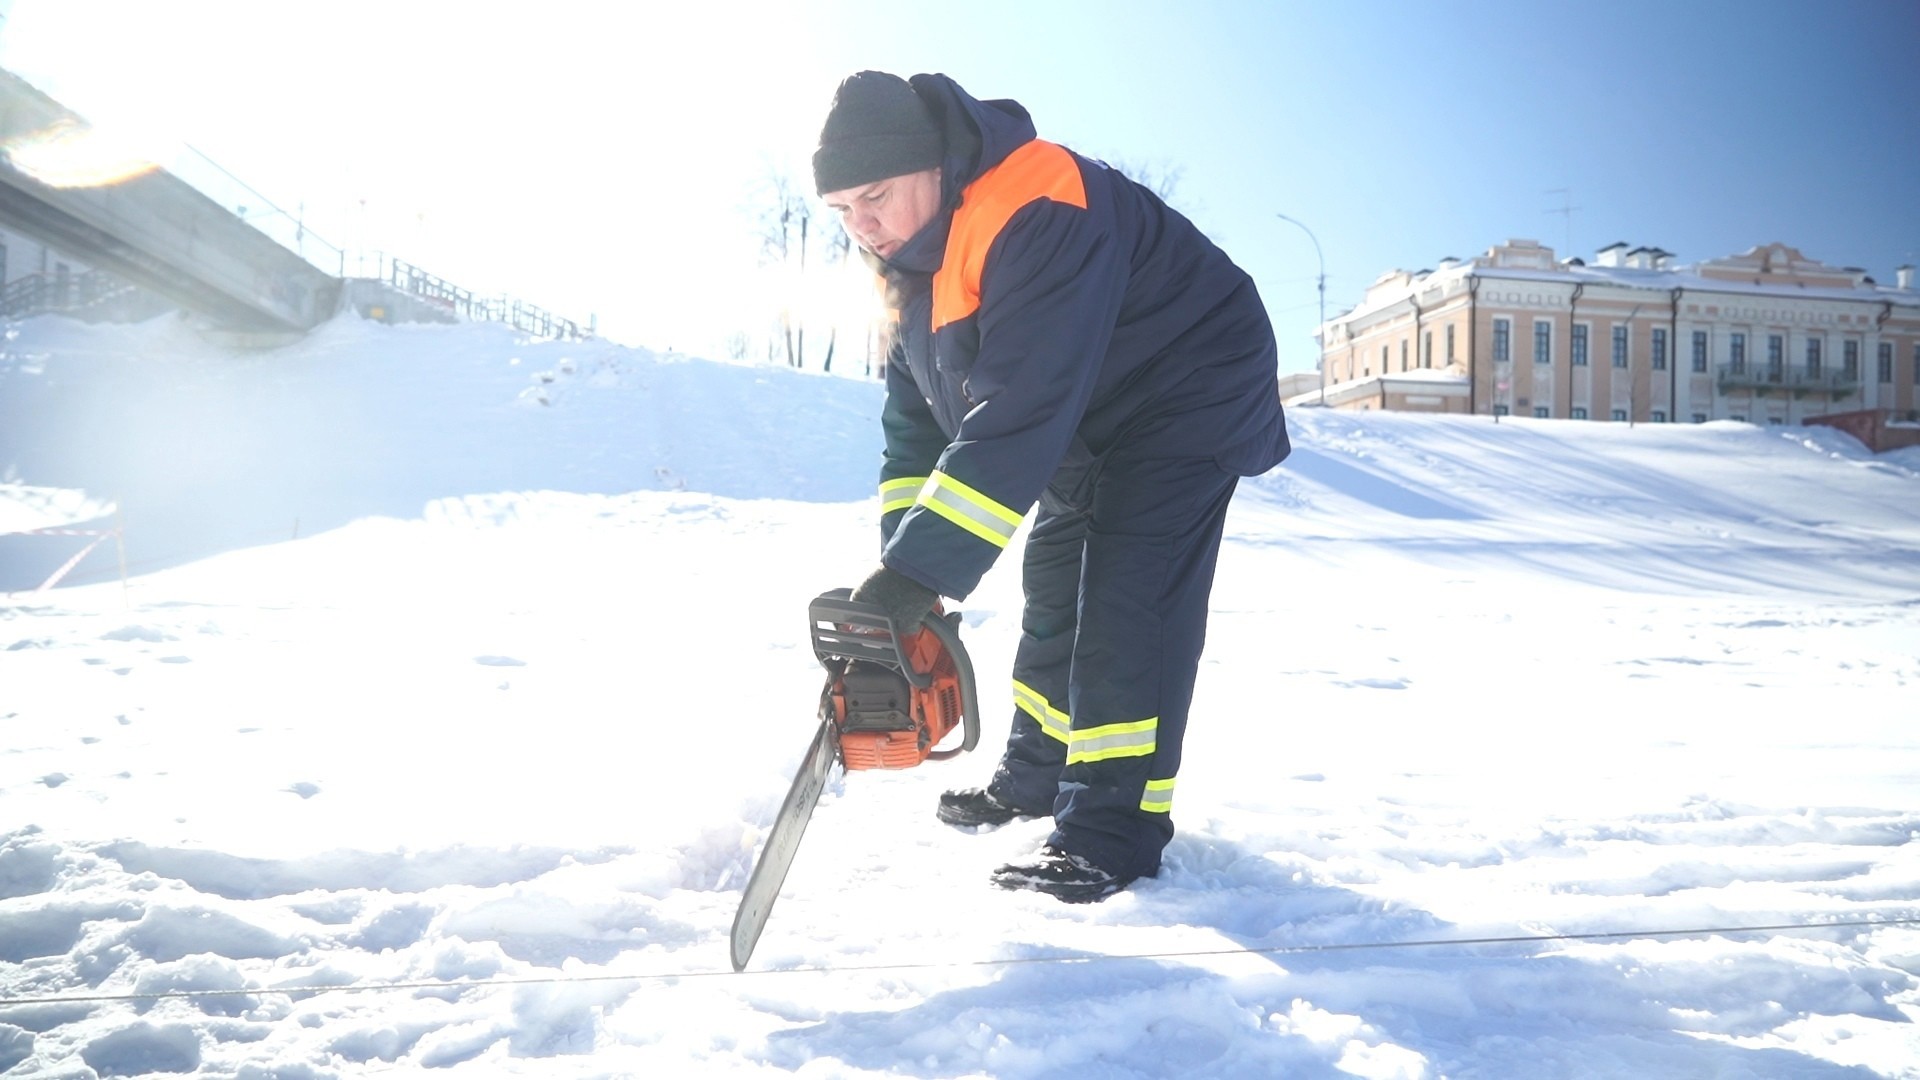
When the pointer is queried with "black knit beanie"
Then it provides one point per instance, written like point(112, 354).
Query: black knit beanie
point(877, 127)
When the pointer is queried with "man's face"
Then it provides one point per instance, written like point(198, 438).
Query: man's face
point(883, 215)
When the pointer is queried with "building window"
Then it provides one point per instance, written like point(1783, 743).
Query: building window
point(1884, 367)
point(1579, 413)
point(1502, 340)
point(1403, 354)
point(1850, 360)
point(1813, 358)
point(1542, 341)
point(1699, 418)
point(1776, 357)
point(1619, 416)
point(1916, 363)
point(1449, 344)
point(1619, 346)
point(1579, 346)
point(1541, 412)
point(1499, 410)
point(1659, 349)
point(1737, 417)
point(1737, 353)
point(1659, 416)
point(1426, 350)
point(1383, 360)
point(1700, 350)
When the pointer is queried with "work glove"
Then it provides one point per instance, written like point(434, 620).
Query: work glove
point(905, 600)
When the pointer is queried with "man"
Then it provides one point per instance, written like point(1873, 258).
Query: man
point(1065, 338)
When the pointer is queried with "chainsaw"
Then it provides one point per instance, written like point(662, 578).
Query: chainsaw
point(893, 695)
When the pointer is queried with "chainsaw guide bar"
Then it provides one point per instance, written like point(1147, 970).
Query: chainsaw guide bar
point(890, 700)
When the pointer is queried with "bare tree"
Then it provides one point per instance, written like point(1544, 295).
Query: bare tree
point(785, 222)
point(795, 237)
point(1157, 176)
point(837, 249)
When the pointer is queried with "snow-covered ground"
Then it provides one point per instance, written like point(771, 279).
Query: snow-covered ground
point(458, 678)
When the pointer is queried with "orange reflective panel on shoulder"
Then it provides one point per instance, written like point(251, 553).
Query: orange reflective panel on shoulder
point(1037, 170)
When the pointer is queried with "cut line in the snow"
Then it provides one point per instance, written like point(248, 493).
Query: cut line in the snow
point(1171, 954)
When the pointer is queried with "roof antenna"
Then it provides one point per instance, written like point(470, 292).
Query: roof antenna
point(1565, 209)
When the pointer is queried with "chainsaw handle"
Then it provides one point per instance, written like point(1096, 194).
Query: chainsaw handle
point(849, 629)
point(949, 635)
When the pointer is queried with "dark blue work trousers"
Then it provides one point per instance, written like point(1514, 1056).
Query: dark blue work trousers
point(1117, 571)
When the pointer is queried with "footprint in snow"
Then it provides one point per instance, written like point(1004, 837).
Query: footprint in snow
point(304, 789)
point(137, 633)
point(1373, 684)
point(499, 661)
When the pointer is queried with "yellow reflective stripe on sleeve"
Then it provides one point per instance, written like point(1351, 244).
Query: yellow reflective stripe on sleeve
point(1051, 720)
point(1159, 797)
point(1134, 739)
point(899, 494)
point(969, 509)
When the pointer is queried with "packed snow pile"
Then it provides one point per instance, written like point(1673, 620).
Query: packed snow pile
point(457, 678)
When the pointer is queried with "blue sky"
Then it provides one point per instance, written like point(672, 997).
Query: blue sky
point(600, 163)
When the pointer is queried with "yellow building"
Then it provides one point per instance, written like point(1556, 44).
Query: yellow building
point(1770, 336)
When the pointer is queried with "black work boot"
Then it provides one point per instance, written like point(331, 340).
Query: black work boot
point(976, 807)
point(1062, 875)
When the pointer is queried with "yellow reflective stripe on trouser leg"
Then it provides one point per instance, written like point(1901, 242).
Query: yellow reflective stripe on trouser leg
point(1051, 720)
point(899, 494)
point(1159, 797)
point(1134, 739)
point(967, 508)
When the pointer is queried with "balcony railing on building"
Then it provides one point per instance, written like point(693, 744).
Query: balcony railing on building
point(1787, 379)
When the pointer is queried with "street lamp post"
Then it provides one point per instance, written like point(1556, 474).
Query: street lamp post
point(1321, 327)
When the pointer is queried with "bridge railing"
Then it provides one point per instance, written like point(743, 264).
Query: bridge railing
point(37, 294)
point(289, 230)
point(286, 228)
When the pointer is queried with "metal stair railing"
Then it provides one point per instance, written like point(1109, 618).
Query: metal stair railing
point(39, 294)
point(527, 318)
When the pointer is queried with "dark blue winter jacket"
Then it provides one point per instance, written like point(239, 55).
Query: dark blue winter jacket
point(1052, 310)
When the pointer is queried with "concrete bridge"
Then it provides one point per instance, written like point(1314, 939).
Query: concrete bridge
point(150, 228)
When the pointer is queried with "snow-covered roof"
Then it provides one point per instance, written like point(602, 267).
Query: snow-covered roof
point(1715, 276)
point(1690, 279)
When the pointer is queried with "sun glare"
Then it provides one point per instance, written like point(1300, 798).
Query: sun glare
point(839, 299)
point(73, 155)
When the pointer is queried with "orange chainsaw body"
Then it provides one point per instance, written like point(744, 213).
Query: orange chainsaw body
point(884, 721)
point(892, 696)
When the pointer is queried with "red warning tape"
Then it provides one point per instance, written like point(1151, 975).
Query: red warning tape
point(100, 537)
